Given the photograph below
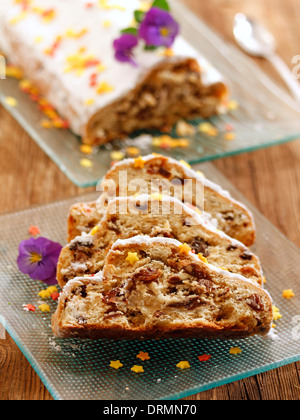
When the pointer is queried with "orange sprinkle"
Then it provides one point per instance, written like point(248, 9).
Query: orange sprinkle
point(143, 356)
point(34, 230)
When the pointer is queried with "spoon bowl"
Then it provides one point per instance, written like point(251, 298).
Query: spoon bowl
point(257, 41)
point(253, 37)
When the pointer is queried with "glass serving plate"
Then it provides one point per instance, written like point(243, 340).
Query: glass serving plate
point(74, 369)
point(266, 115)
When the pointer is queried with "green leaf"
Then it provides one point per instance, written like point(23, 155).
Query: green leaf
point(161, 4)
point(150, 47)
point(139, 16)
point(132, 31)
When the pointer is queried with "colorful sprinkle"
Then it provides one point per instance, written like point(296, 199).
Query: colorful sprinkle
point(104, 87)
point(204, 358)
point(117, 155)
point(44, 294)
point(184, 249)
point(86, 149)
point(183, 365)
point(29, 308)
point(44, 308)
point(139, 163)
point(235, 351)
point(86, 163)
point(132, 258)
point(132, 151)
point(137, 369)
point(208, 128)
point(94, 230)
point(184, 163)
point(116, 364)
point(55, 296)
point(276, 314)
point(229, 136)
point(143, 356)
point(34, 230)
point(9, 100)
point(288, 294)
point(52, 289)
point(202, 258)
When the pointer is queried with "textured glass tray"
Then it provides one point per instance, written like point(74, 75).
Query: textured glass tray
point(73, 369)
point(266, 116)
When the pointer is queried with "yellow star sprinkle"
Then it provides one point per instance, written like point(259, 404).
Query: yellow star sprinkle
point(104, 87)
point(208, 128)
point(132, 151)
point(44, 308)
point(94, 230)
point(183, 162)
point(139, 162)
point(183, 365)
point(184, 249)
point(235, 350)
point(229, 136)
point(116, 364)
point(44, 294)
point(233, 105)
point(117, 155)
point(205, 259)
point(52, 289)
point(143, 356)
point(132, 257)
point(86, 163)
point(86, 149)
point(38, 39)
point(106, 23)
point(89, 101)
point(46, 124)
point(276, 314)
point(137, 369)
point(9, 100)
point(288, 294)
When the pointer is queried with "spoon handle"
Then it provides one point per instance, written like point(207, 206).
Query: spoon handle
point(286, 74)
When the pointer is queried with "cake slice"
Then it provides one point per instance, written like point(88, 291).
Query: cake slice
point(154, 288)
point(155, 216)
point(70, 58)
point(159, 174)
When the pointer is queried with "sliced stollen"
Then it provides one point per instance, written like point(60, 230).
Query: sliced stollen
point(156, 173)
point(155, 288)
point(155, 215)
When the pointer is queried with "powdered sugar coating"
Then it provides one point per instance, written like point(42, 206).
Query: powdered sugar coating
point(103, 21)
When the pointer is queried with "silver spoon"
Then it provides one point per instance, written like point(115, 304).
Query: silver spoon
point(256, 40)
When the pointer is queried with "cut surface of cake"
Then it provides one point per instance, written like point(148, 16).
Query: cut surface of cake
point(159, 174)
point(66, 49)
point(155, 288)
point(156, 217)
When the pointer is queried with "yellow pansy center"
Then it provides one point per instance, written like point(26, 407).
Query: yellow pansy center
point(164, 32)
point(35, 258)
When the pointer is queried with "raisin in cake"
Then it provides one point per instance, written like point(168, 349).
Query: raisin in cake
point(155, 173)
point(155, 216)
point(153, 288)
point(66, 49)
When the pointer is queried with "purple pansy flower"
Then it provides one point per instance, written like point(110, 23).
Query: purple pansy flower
point(38, 258)
point(158, 28)
point(124, 46)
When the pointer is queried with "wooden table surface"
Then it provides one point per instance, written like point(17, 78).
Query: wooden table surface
point(269, 178)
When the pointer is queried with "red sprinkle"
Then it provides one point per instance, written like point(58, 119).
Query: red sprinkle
point(30, 307)
point(34, 230)
point(54, 295)
point(204, 358)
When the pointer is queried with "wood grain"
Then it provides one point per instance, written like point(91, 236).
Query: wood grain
point(270, 179)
